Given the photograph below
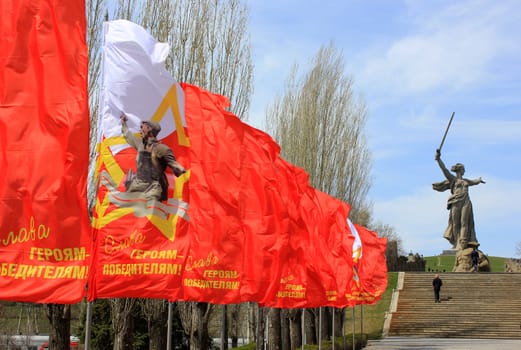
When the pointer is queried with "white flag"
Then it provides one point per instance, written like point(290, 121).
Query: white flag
point(135, 82)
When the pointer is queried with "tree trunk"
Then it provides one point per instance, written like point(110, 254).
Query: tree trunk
point(235, 324)
point(60, 319)
point(309, 326)
point(194, 317)
point(295, 328)
point(224, 327)
point(252, 322)
point(339, 322)
point(156, 314)
point(260, 329)
point(284, 329)
point(274, 335)
point(122, 322)
point(325, 323)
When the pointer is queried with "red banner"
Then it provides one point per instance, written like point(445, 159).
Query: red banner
point(259, 231)
point(142, 169)
point(370, 268)
point(318, 268)
point(253, 228)
point(238, 221)
point(44, 128)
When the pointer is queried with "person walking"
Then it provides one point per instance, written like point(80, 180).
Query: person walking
point(436, 285)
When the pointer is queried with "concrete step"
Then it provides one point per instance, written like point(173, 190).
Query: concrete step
point(490, 308)
point(427, 343)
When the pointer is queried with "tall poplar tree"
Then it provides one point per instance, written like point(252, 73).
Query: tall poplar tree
point(319, 123)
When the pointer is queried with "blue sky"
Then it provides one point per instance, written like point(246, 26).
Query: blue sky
point(414, 63)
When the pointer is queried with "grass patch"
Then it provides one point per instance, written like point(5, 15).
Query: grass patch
point(373, 316)
point(445, 263)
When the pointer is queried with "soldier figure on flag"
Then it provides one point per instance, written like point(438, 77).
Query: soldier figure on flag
point(152, 159)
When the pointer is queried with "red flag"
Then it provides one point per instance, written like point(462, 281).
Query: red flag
point(317, 271)
point(370, 267)
point(44, 128)
point(140, 219)
point(259, 231)
point(238, 221)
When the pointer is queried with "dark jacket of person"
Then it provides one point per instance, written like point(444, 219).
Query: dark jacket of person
point(437, 283)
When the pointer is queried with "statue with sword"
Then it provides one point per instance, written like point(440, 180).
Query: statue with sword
point(460, 231)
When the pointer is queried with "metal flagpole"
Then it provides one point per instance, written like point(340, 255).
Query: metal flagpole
point(87, 325)
point(224, 328)
point(333, 328)
point(319, 328)
point(354, 329)
point(303, 323)
point(266, 333)
point(361, 320)
point(258, 345)
point(169, 327)
point(344, 328)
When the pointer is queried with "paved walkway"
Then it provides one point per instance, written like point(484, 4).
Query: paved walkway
point(401, 343)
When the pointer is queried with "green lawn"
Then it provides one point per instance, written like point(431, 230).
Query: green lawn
point(372, 315)
point(445, 263)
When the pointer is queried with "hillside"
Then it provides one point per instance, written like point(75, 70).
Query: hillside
point(445, 263)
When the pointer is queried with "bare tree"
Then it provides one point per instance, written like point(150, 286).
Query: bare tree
point(156, 314)
point(518, 249)
point(194, 317)
point(389, 232)
point(274, 329)
point(210, 45)
point(96, 13)
point(122, 322)
point(60, 318)
point(319, 124)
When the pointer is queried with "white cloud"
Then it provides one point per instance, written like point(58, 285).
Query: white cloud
point(450, 49)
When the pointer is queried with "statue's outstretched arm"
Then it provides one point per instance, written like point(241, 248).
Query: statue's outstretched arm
point(475, 181)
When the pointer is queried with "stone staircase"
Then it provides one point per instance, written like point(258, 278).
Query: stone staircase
point(473, 305)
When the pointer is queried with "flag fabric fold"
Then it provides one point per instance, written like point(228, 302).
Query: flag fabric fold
point(241, 224)
point(140, 219)
point(44, 155)
point(369, 266)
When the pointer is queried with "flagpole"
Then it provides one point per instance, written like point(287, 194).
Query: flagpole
point(333, 329)
point(319, 328)
point(303, 325)
point(361, 320)
point(344, 327)
point(258, 329)
point(354, 329)
point(169, 326)
point(87, 325)
point(224, 325)
point(266, 333)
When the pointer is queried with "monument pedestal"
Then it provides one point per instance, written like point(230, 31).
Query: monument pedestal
point(450, 252)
